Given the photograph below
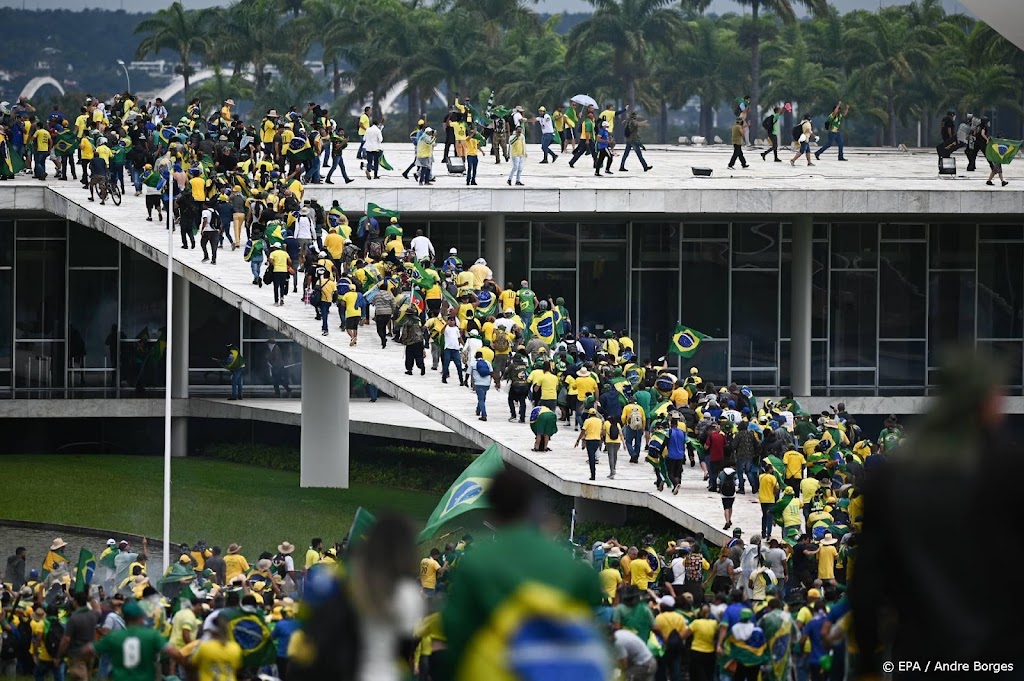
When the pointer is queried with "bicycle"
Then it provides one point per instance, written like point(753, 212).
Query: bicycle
point(115, 191)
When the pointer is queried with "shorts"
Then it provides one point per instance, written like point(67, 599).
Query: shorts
point(805, 148)
point(351, 323)
point(571, 401)
point(97, 179)
point(153, 201)
point(550, 404)
point(727, 502)
point(434, 304)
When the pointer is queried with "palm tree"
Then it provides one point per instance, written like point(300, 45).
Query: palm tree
point(251, 32)
point(784, 10)
point(185, 32)
point(221, 86)
point(537, 75)
point(629, 28)
point(711, 66)
point(796, 77)
point(888, 49)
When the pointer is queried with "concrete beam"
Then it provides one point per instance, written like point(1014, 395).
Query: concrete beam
point(324, 448)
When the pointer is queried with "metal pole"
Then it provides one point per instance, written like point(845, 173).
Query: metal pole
point(126, 76)
point(167, 376)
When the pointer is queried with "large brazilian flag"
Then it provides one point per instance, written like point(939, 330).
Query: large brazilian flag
point(685, 341)
point(1002, 151)
point(467, 492)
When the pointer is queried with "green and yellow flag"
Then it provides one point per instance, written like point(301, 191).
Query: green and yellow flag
point(11, 163)
point(685, 341)
point(375, 211)
point(65, 144)
point(467, 493)
point(85, 570)
point(1002, 151)
point(361, 524)
point(300, 150)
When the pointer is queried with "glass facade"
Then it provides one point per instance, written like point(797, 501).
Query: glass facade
point(82, 316)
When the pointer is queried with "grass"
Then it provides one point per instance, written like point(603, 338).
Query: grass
point(213, 500)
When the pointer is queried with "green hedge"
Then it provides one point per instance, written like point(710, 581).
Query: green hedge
point(416, 468)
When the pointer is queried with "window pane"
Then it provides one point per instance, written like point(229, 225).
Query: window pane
point(554, 284)
point(853, 319)
point(90, 248)
point(40, 286)
point(1001, 232)
point(92, 319)
point(902, 277)
point(755, 245)
point(517, 230)
point(6, 316)
point(853, 378)
point(952, 246)
point(711, 358)
point(6, 243)
point(554, 244)
point(464, 236)
point(603, 285)
point(1010, 354)
point(755, 319)
point(706, 231)
point(257, 356)
point(819, 363)
point(517, 262)
point(602, 231)
point(819, 292)
point(142, 366)
point(656, 244)
point(901, 363)
point(143, 294)
point(254, 328)
point(213, 324)
point(854, 245)
point(903, 232)
point(705, 268)
point(39, 369)
point(950, 312)
point(755, 379)
point(1000, 285)
point(655, 304)
point(39, 229)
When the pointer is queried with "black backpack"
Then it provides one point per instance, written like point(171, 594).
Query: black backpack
point(797, 131)
point(54, 633)
point(215, 220)
point(728, 488)
point(768, 123)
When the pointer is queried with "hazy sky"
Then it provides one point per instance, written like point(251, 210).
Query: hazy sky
point(718, 6)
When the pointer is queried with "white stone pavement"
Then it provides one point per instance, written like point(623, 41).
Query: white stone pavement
point(564, 469)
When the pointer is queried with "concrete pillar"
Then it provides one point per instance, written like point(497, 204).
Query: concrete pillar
point(800, 329)
point(324, 440)
point(179, 363)
point(494, 246)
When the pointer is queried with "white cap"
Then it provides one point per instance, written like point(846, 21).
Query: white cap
point(604, 124)
point(667, 602)
point(428, 129)
point(453, 251)
point(480, 261)
point(111, 542)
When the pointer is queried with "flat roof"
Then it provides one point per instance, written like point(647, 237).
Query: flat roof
point(874, 181)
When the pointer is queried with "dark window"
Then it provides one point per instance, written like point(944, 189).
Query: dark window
point(213, 324)
point(705, 280)
point(901, 363)
point(1001, 232)
point(39, 368)
point(656, 244)
point(819, 292)
point(1000, 285)
point(952, 246)
point(655, 311)
point(755, 245)
point(853, 319)
point(464, 236)
point(6, 243)
point(54, 228)
point(1009, 353)
point(554, 284)
point(603, 285)
point(554, 244)
point(40, 286)
point(718, 230)
point(92, 319)
point(898, 232)
point(589, 230)
point(6, 316)
point(89, 248)
point(517, 230)
point(902, 292)
point(755, 319)
point(950, 312)
point(854, 245)
point(143, 295)
point(517, 262)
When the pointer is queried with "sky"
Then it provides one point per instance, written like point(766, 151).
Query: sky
point(551, 6)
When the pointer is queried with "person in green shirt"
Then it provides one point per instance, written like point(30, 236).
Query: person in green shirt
point(527, 303)
point(773, 134)
point(832, 123)
point(135, 650)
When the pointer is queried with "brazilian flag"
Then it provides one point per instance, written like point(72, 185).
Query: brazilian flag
point(85, 570)
point(487, 304)
point(543, 327)
point(425, 279)
point(685, 341)
point(1002, 151)
point(249, 630)
point(375, 211)
point(65, 144)
point(299, 149)
point(11, 163)
point(168, 133)
point(466, 493)
point(274, 233)
point(154, 180)
point(361, 524)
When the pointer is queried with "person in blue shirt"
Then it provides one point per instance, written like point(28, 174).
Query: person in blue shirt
point(291, 245)
point(812, 632)
point(282, 635)
point(604, 153)
point(588, 343)
point(676, 452)
point(224, 210)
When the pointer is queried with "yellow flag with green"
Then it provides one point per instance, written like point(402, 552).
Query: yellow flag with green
point(685, 341)
point(467, 493)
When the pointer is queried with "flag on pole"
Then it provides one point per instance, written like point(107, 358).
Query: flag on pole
point(375, 211)
point(1002, 151)
point(85, 570)
point(361, 524)
point(466, 493)
point(685, 341)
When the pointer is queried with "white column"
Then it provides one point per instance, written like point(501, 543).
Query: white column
point(494, 246)
point(800, 329)
point(179, 364)
point(324, 440)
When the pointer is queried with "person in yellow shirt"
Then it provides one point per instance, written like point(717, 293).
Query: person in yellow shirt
point(590, 434)
point(218, 658)
point(235, 563)
point(44, 661)
point(100, 166)
point(795, 465)
point(767, 495)
point(41, 143)
point(352, 316)
point(612, 436)
point(641, 574)
point(364, 125)
point(610, 114)
point(334, 244)
point(459, 128)
point(703, 630)
point(279, 262)
point(313, 554)
point(808, 488)
point(225, 109)
point(667, 622)
point(471, 152)
point(610, 578)
point(430, 569)
point(792, 516)
point(508, 299)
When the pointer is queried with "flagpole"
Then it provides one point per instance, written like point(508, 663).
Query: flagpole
point(168, 372)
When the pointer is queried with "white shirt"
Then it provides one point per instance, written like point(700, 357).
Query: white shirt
point(732, 415)
point(509, 324)
point(157, 113)
point(472, 345)
point(373, 139)
point(207, 220)
point(788, 417)
point(630, 648)
point(452, 337)
point(289, 564)
point(546, 124)
point(679, 570)
point(303, 227)
point(423, 247)
point(517, 119)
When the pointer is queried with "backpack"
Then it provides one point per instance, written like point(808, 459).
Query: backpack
point(483, 368)
point(52, 635)
point(768, 123)
point(373, 249)
point(257, 210)
point(694, 568)
point(613, 430)
point(501, 344)
point(215, 220)
point(728, 488)
point(520, 376)
point(797, 131)
point(636, 419)
point(674, 643)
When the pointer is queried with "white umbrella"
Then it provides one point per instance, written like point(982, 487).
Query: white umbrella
point(585, 100)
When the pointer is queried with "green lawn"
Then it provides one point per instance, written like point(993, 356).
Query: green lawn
point(217, 501)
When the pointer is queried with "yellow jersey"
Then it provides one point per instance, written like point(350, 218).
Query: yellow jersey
point(508, 299)
point(278, 260)
point(608, 115)
point(351, 305)
point(364, 124)
point(104, 152)
point(217, 660)
point(428, 573)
